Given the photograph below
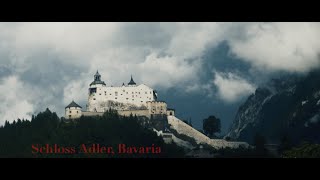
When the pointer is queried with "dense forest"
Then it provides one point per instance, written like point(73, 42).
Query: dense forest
point(46, 135)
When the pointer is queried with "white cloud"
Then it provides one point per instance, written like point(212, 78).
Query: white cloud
point(14, 104)
point(75, 90)
point(232, 87)
point(190, 39)
point(293, 47)
point(168, 71)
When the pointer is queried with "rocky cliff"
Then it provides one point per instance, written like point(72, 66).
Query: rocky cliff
point(286, 107)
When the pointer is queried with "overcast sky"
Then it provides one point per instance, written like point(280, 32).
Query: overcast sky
point(198, 68)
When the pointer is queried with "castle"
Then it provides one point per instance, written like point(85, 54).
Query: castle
point(134, 99)
point(141, 100)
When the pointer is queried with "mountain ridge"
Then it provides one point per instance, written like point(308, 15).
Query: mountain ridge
point(288, 106)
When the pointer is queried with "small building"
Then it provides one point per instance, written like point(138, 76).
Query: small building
point(73, 111)
point(170, 112)
point(157, 107)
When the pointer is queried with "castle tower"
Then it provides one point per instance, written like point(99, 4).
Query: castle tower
point(97, 81)
point(73, 111)
point(132, 83)
point(96, 92)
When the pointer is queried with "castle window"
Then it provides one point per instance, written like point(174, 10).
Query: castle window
point(115, 98)
point(132, 92)
point(146, 92)
point(77, 111)
point(133, 96)
point(150, 92)
point(127, 98)
point(94, 98)
point(121, 94)
point(127, 92)
point(69, 111)
point(69, 116)
point(116, 93)
point(100, 94)
point(124, 90)
point(142, 101)
point(132, 99)
point(110, 94)
point(139, 92)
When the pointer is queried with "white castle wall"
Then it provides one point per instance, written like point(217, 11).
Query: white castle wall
point(134, 95)
point(183, 128)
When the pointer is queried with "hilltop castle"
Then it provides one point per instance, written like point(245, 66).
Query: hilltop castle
point(139, 100)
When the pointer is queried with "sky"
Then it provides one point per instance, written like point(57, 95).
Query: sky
point(200, 69)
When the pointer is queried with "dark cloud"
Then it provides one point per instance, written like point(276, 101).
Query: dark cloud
point(150, 35)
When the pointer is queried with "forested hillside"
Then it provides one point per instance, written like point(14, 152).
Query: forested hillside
point(25, 138)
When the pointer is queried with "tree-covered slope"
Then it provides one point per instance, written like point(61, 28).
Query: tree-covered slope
point(54, 137)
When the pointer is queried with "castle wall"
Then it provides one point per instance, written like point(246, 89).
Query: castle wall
point(121, 113)
point(169, 138)
point(134, 95)
point(86, 113)
point(183, 128)
point(157, 107)
point(134, 112)
point(73, 113)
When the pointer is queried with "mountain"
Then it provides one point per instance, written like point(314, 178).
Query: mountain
point(287, 107)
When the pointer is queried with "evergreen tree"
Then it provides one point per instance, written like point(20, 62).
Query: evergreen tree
point(211, 125)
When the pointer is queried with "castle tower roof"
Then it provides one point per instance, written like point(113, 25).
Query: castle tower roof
point(73, 104)
point(131, 82)
point(97, 79)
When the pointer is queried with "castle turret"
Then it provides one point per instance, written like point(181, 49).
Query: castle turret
point(73, 111)
point(132, 83)
point(97, 80)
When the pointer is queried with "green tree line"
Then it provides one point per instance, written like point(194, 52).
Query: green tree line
point(17, 138)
